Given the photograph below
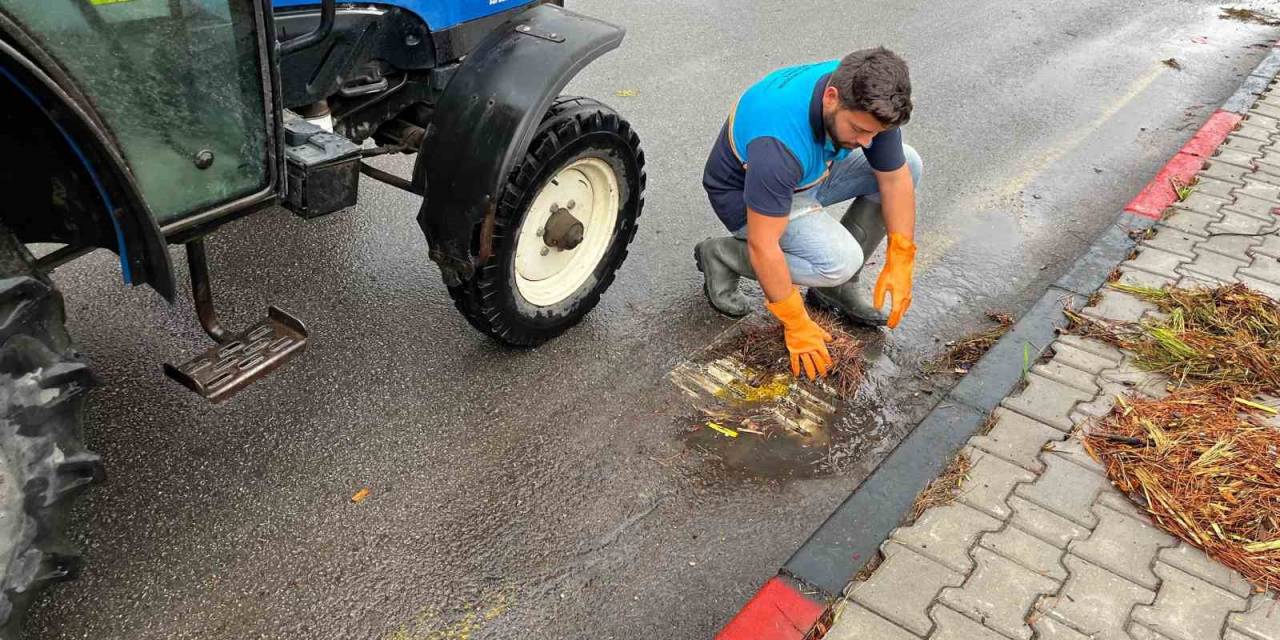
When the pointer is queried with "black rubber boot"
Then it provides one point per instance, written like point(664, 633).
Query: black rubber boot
point(723, 262)
point(865, 220)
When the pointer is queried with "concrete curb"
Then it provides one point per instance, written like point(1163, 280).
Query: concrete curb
point(850, 537)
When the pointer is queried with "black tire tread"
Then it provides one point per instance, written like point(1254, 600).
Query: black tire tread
point(40, 433)
point(567, 119)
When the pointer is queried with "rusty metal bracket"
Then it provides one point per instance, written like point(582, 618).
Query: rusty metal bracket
point(539, 33)
point(237, 359)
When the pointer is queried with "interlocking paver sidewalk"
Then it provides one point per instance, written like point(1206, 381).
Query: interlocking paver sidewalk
point(1039, 544)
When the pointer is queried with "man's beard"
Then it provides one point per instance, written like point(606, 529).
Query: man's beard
point(829, 124)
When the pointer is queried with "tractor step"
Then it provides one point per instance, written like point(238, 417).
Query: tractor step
point(238, 360)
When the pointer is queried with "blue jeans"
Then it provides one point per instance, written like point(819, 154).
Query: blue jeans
point(820, 252)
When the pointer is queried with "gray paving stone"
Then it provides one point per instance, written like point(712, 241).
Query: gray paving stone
point(1256, 119)
point(990, 482)
point(1234, 247)
point(1232, 634)
point(954, 626)
point(1191, 560)
point(1225, 172)
point(857, 623)
point(1213, 266)
point(1269, 245)
point(1254, 207)
point(1156, 261)
point(1124, 546)
point(1089, 345)
point(1000, 593)
point(1201, 202)
point(1044, 524)
point(1246, 145)
point(1131, 377)
point(1072, 450)
point(1255, 189)
point(1139, 278)
point(1220, 189)
point(1117, 501)
point(1238, 158)
point(1261, 286)
point(1173, 241)
point(1047, 401)
point(1095, 601)
point(1267, 177)
point(904, 587)
point(1121, 307)
point(1026, 550)
point(1188, 222)
point(1266, 166)
point(1102, 404)
point(1261, 621)
point(1186, 607)
point(1047, 628)
point(1193, 279)
point(1264, 267)
point(1235, 222)
point(1069, 353)
point(1072, 377)
point(945, 534)
point(1265, 109)
point(1017, 439)
point(1065, 489)
point(1254, 132)
point(1139, 632)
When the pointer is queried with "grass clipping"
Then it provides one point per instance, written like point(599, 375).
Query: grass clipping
point(1205, 460)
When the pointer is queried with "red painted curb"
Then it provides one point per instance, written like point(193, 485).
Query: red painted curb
point(1159, 193)
point(778, 611)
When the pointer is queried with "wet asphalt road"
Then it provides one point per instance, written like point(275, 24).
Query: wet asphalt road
point(552, 493)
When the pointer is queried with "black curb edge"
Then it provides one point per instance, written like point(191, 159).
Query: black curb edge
point(850, 537)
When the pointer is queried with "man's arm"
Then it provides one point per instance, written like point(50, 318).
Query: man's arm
point(763, 236)
point(898, 199)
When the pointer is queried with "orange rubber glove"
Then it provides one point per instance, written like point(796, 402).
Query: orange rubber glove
point(895, 278)
point(806, 341)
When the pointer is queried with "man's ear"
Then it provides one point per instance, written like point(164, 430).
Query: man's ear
point(831, 96)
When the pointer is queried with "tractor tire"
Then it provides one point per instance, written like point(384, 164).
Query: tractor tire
point(43, 465)
point(526, 292)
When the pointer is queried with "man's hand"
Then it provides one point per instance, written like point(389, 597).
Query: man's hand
point(898, 198)
point(895, 278)
point(806, 341)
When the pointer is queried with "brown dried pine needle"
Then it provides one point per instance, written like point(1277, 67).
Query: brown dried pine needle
point(944, 488)
point(1205, 466)
point(762, 348)
point(1228, 335)
point(962, 354)
point(1203, 460)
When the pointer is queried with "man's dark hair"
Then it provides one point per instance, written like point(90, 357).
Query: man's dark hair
point(875, 81)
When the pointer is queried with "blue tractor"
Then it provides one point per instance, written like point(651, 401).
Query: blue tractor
point(133, 125)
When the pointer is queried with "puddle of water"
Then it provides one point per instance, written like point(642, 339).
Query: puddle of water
point(761, 425)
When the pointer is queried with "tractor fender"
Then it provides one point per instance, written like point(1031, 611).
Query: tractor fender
point(485, 120)
point(115, 216)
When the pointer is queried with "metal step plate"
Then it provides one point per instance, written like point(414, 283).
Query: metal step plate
point(220, 372)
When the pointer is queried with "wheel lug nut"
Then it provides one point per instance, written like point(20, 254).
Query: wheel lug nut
point(571, 204)
point(541, 231)
point(545, 251)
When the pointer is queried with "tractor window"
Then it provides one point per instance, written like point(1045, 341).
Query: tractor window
point(177, 81)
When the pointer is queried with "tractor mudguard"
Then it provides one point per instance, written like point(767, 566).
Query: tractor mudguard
point(486, 119)
point(118, 220)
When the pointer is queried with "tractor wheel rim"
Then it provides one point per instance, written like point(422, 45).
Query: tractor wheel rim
point(546, 276)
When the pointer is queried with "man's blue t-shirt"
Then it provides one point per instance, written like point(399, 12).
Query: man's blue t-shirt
point(774, 173)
